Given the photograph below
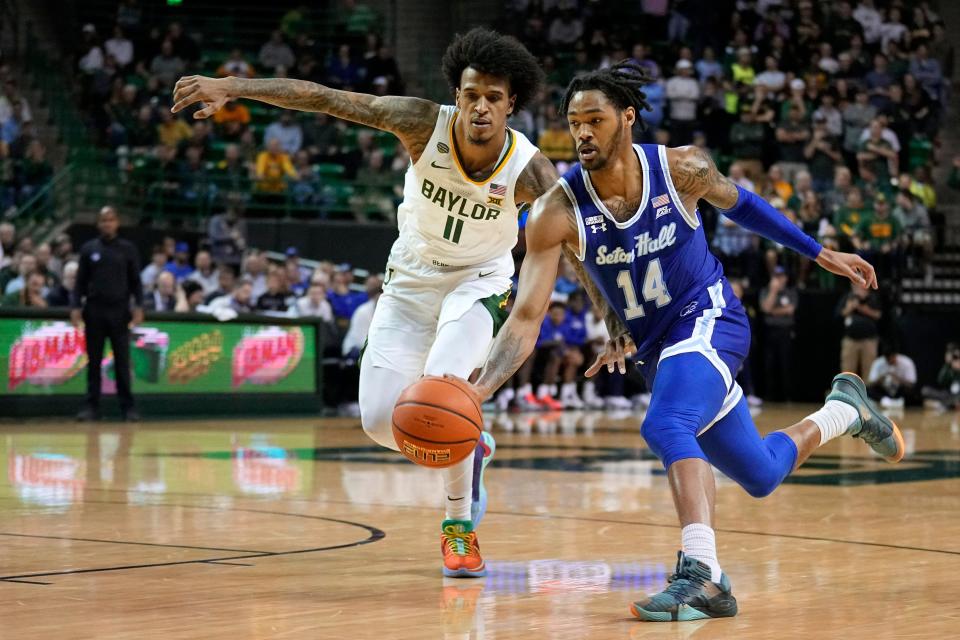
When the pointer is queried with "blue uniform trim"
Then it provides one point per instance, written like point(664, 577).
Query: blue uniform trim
point(644, 198)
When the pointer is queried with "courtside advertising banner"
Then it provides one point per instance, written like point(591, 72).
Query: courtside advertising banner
point(46, 357)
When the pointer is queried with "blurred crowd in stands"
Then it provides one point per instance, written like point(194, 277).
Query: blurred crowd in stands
point(24, 168)
point(831, 111)
point(276, 160)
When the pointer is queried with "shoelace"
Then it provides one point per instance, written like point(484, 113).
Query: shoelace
point(458, 541)
point(683, 585)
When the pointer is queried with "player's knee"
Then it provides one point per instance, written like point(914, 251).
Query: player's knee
point(760, 482)
point(671, 435)
point(376, 418)
point(661, 420)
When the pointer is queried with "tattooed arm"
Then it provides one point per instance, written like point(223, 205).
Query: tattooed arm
point(695, 176)
point(536, 178)
point(410, 119)
point(550, 225)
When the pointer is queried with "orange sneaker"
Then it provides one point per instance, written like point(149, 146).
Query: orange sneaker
point(550, 403)
point(461, 550)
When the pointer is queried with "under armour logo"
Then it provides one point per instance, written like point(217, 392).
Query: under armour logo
point(602, 227)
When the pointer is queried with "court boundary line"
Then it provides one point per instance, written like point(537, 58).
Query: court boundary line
point(376, 534)
point(130, 542)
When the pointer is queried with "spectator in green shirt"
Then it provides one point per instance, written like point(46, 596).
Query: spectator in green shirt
point(877, 238)
point(876, 158)
point(848, 217)
point(746, 142)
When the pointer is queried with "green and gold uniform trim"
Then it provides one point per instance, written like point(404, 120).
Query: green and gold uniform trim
point(496, 305)
point(500, 165)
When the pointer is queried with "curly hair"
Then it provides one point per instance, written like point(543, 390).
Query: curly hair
point(622, 84)
point(499, 55)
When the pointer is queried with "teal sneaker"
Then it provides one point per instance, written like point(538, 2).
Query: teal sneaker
point(485, 450)
point(874, 428)
point(690, 595)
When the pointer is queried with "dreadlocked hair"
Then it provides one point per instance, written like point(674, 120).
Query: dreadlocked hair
point(621, 83)
point(499, 55)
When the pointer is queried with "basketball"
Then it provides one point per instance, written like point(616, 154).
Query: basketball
point(436, 422)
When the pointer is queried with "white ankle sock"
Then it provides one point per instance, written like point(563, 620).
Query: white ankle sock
point(698, 541)
point(543, 391)
point(458, 484)
point(833, 419)
point(525, 390)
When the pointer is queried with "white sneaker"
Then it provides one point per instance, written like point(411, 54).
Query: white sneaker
point(618, 403)
point(754, 401)
point(596, 402)
point(572, 402)
point(504, 398)
point(569, 396)
point(590, 397)
point(641, 400)
point(350, 409)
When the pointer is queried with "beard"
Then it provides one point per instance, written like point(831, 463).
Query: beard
point(602, 156)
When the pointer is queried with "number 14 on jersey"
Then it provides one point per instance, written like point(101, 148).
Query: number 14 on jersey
point(654, 289)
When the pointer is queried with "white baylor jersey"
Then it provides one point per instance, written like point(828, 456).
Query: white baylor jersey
point(449, 220)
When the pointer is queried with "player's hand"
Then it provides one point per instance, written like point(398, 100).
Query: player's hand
point(76, 317)
point(137, 318)
point(210, 92)
point(478, 394)
point(614, 354)
point(848, 265)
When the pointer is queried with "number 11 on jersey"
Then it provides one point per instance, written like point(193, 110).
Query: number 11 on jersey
point(452, 230)
point(654, 290)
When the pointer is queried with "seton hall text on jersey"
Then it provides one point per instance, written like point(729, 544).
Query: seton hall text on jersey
point(645, 246)
point(455, 204)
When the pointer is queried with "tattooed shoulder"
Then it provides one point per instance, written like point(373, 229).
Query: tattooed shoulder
point(536, 178)
point(695, 175)
point(412, 120)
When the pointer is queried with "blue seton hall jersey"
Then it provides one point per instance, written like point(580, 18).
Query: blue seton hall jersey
point(653, 268)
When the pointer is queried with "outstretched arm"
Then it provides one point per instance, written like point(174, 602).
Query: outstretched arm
point(410, 119)
point(536, 179)
point(549, 226)
point(696, 176)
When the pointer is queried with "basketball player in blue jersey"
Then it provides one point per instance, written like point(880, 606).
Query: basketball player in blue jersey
point(449, 272)
point(629, 212)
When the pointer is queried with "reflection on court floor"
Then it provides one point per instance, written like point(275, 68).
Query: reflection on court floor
point(302, 528)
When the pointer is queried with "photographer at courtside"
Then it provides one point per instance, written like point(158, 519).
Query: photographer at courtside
point(107, 277)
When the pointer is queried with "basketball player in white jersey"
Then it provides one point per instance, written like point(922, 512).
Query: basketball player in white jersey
point(448, 275)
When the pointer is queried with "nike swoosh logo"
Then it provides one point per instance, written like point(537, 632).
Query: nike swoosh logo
point(484, 275)
point(437, 166)
point(454, 499)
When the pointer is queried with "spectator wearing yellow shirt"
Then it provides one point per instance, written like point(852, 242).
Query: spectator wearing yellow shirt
point(742, 69)
point(556, 143)
point(172, 130)
point(273, 165)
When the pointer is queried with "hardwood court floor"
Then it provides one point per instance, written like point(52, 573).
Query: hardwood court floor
point(302, 529)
